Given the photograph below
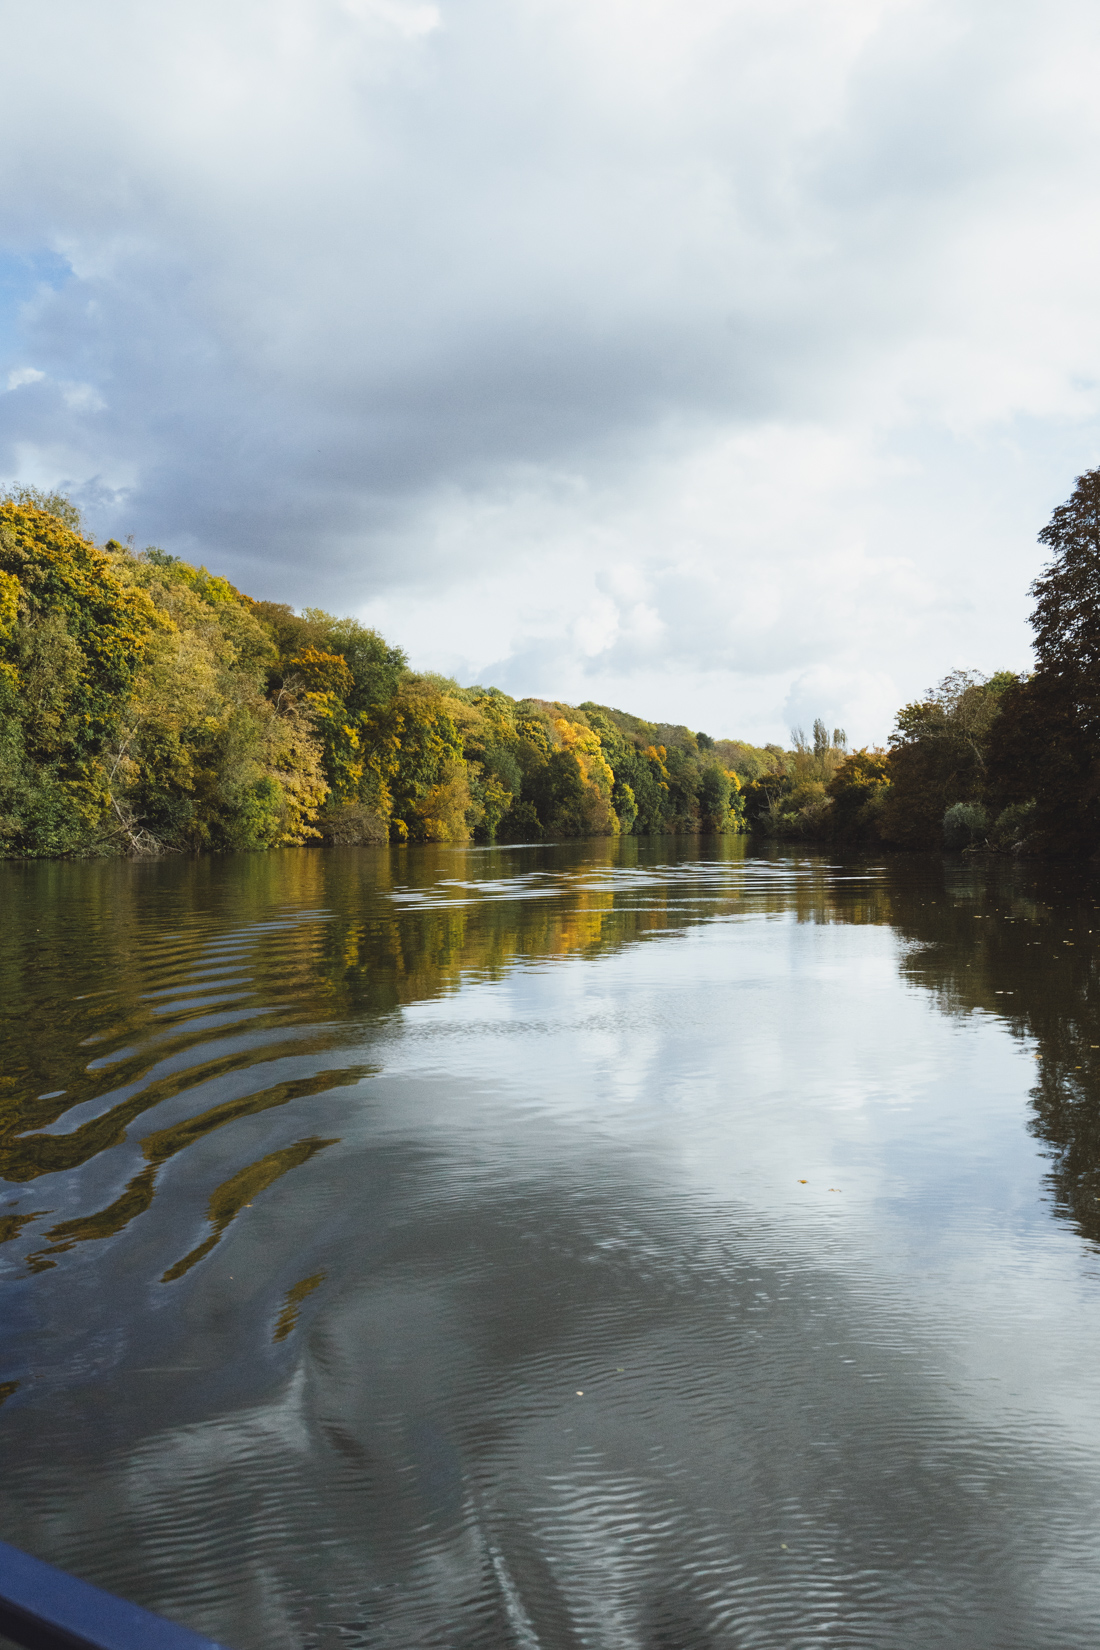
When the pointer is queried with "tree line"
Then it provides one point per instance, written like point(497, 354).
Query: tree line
point(147, 705)
point(1007, 762)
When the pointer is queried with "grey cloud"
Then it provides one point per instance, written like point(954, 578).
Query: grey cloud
point(343, 273)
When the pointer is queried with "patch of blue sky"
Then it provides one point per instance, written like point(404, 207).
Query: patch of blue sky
point(23, 275)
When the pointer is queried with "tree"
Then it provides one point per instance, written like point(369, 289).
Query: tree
point(74, 638)
point(939, 755)
point(1046, 743)
point(147, 705)
point(859, 789)
point(714, 797)
point(415, 773)
point(53, 504)
point(202, 758)
point(1066, 619)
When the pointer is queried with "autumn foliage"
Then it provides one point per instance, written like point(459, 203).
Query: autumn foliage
point(147, 706)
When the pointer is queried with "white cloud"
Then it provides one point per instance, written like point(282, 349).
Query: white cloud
point(685, 354)
point(82, 398)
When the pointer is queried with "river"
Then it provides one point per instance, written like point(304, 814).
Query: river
point(644, 1245)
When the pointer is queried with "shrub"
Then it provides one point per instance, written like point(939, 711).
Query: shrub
point(964, 825)
point(350, 824)
point(1013, 826)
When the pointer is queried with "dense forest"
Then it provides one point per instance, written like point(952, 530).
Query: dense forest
point(148, 706)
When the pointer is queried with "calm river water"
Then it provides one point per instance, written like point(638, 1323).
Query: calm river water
point(626, 1245)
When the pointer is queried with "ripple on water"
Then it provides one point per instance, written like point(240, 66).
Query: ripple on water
point(397, 1251)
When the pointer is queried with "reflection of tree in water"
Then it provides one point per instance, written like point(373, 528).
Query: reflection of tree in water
point(440, 1366)
point(109, 972)
point(112, 978)
point(1017, 940)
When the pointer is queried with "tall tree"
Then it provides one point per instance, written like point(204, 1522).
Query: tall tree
point(1066, 619)
point(1046, 741)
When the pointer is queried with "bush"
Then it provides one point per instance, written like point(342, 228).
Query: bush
point(350, 824)
point(520, 824)
point(1013, 827)
point(964, 825)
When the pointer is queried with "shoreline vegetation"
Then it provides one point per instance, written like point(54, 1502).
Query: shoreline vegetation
point(148, 706)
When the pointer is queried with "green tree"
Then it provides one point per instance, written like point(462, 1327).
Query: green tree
point(715, 788)
point(939, 755)
point(148, 704)
point(414, 751)
point(203, 759)
point(859, 789)
point(377, 669)
point(50, 503)
point(1045, 745)
point(75, 637)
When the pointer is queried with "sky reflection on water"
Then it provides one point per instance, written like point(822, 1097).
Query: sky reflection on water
point(613, 1244)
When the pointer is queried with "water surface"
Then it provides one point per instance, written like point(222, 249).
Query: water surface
point(614, 1244)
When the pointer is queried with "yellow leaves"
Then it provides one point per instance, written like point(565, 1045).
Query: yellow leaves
point(497, 796)
point(574, 736)
point(532, 730)
point(214, 721)
point(655, 756)
point(322, 673)
point(474, 727)
point(442, 814)
point(599, 817)
point(179, 685)
point(586, 747)
point(10, 591)
point(214, 589)
point(295, 758)
point(70, 588)
point(199, 602)
point(341, 740)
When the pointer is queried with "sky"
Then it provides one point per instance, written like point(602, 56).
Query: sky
point(716, 359)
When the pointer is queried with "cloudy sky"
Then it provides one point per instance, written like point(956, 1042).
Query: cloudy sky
point(719, 359)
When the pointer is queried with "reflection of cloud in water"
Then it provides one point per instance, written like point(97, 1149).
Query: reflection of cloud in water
point(579, 1144)
point(763, 1455)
